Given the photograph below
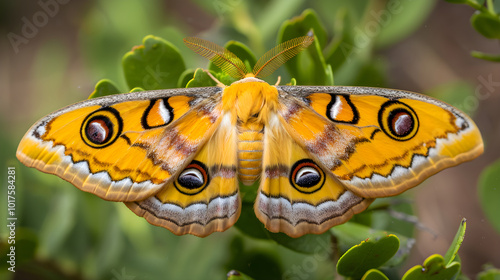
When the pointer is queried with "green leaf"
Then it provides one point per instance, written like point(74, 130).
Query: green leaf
point(200, 79)
point(396, 21)
point(236, 275)
point(261, 265)
point(489, 193)
point(318, 73)
point(301, 25)
point(455, 245)
point(485, 56)
point(185, 77)
point(490, 273)
point(372, 73)
point(434, 268)
point(343, 40)
point(248, 223)
point(110, 27)
point(367, 255)
point(457, 1)
point(374, 274)
point(224, 78)
point(308, 67)
point(255, 261)
point(155, 64)
point(104, 87)
point(350, 234)
point(487, 24)
point(306, 244)
point(137, 89)
point(249, 193)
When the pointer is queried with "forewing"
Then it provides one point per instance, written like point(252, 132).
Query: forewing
point(123, 147)
point(378, 142)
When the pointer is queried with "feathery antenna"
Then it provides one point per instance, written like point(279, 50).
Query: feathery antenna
point(265, 66)
point(223, 58)
point(280, 54)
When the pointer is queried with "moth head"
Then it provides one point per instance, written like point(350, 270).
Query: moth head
point(229, 63)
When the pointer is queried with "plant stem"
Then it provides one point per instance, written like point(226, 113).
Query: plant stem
point(485, 56)
point(477, 6)
point(489, 4)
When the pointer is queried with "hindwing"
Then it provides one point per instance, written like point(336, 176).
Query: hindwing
point(204, 196)
point(296, 195)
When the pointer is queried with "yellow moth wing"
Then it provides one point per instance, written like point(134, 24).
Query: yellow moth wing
point(287, 201)
point(379, 142)
point(199, 209)
point(142, 147)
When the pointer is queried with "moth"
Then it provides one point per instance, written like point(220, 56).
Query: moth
point(321, 153)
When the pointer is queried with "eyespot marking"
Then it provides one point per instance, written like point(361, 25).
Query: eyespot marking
point(101, 128)
point(398, 120)
point(193, 179)
point(401, 123)
point(306, 176)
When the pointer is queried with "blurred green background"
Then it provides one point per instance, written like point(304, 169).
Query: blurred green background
point(64, 233)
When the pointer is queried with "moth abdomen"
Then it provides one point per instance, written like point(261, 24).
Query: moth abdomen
point(250, 151)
